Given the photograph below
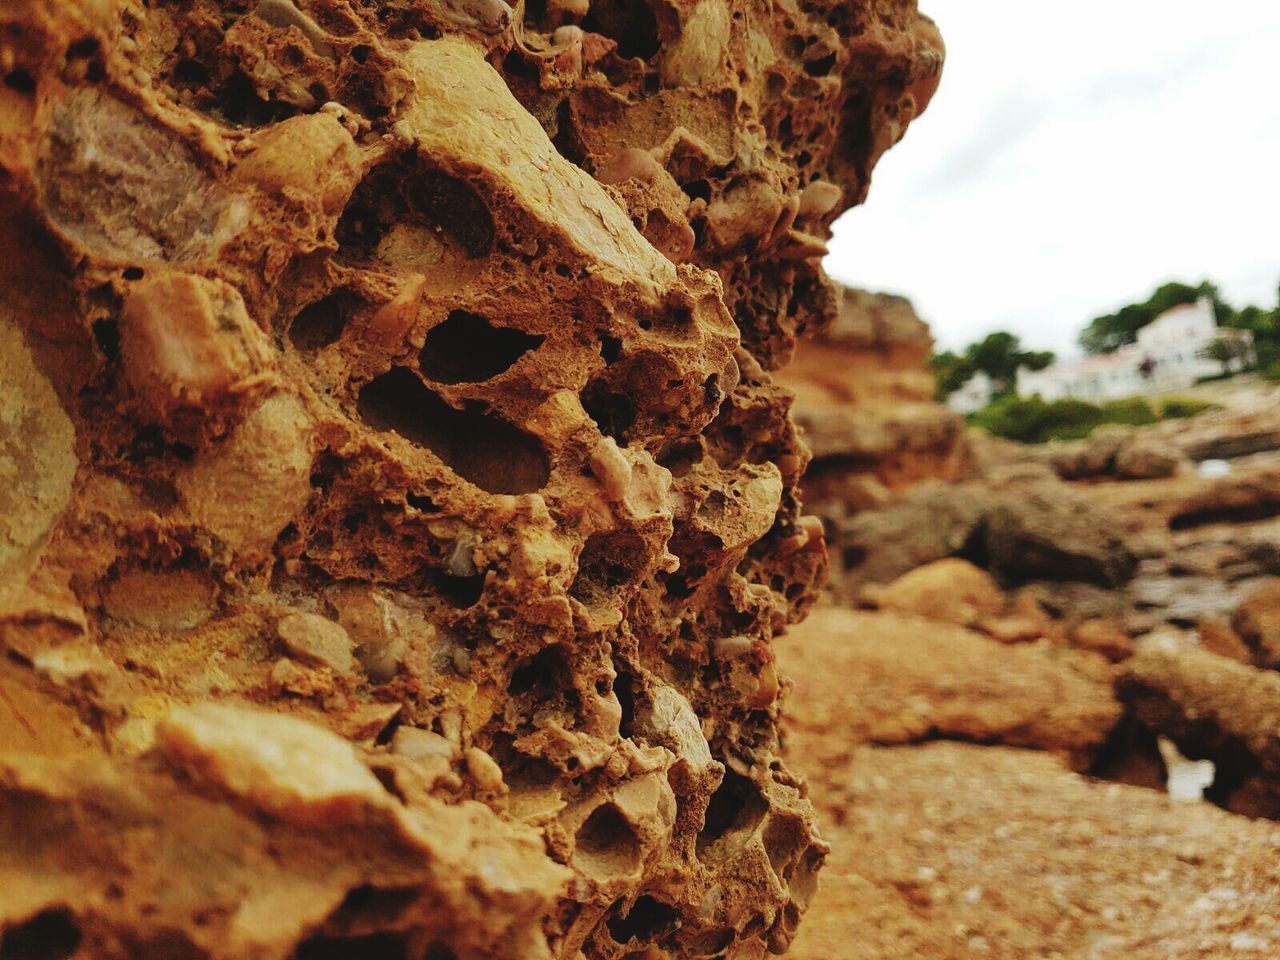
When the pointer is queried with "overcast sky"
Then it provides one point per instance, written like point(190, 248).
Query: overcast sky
point(1076, 156)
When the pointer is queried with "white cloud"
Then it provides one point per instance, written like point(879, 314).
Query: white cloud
point(1076, 157)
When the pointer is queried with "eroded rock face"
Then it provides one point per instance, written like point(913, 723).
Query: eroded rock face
point(400, 509)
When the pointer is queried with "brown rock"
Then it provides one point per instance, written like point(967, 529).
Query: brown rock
point(893, 678)
point(951, 590)
point(952, 850)
point(1105, 637)
point(1257, 622)
point(1025, 621)
point(316, 639)
point(343, 321)
point(1217, 636)
point(1214, 709)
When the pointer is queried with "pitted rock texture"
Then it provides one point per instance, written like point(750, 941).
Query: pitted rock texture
point(398, 508)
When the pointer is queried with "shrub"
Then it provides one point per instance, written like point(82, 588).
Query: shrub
point(1033, 420)
point(1134, 412)
point(1179, 407)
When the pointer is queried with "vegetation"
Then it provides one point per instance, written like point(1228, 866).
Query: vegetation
point(998, 355)
point(1225, 352)
point(1105, 334)
point(1177, 408)
point(1033, 420)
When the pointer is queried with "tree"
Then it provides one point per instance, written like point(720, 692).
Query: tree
point(998, 355)
point(1224, 351)
point(1107, 333)
point(951, 370)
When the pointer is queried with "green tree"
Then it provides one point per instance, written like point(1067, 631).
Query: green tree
point(951, 371)
point(1223, 351)
point(998, 355)
point(1107, 333)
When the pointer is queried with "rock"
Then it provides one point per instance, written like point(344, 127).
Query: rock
point(1122, 453)
point(991, 864)
point(893, 678)
point(951, 591)
point(928, 524)
point(316, 639)
point(1217, 636)
point(1257, 622)
point(437, 339)
point(1026, 530)
point(189, 347)
point(1038, 532)
point(1105, 637)
point(1212, 708)
point(864, 399)
point(286, 767)
point(1023, 622)
point(1147, 460)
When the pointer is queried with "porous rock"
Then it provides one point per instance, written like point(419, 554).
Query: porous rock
point(391, 417)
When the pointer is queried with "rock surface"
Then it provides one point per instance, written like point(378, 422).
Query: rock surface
point(400, 505)
point(865, 402)
point(953, 851)
point(894, 678)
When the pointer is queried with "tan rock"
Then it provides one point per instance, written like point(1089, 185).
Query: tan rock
point(1105, 637)
point(951, 590)
point(1257, 622)
point(437, 339)
point(189, 345)
point(316, 639)
point(896, 678)
point(1217, 636)
point(286, 767)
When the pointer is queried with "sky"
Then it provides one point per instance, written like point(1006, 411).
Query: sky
point(1076, 156)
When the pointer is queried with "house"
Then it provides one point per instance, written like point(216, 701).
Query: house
point(1169, 354)
point(973, 395)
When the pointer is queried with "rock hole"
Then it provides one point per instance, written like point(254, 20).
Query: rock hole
point(106, 334)
point(459, 592)
point(83, 48)
point(467, 348)
point(421, 502)
point(21, 81)
point(483, 449)
point(624, 689)
point(610, 349)
point(608, 564)
point(543, 676)
point(647, 920)
point(697, 190)
point(612, 412)
point(438, 951)
point(51, 935)
point(820, 67)
point(406, 212)
point(192, 72)
point(711, 943)
point(606, 845)
point(630, 22)
point(375, 946)
point(321, 323)
point(735, 809)
point(384, 905)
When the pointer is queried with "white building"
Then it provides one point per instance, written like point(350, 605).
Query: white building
point(1169, 355)
point(975, 394)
